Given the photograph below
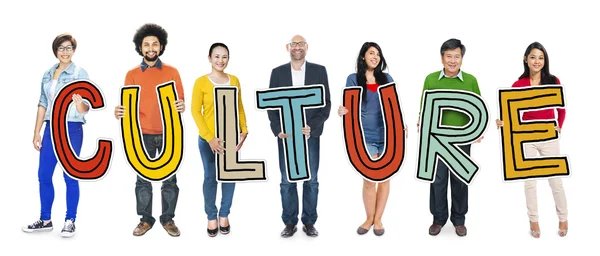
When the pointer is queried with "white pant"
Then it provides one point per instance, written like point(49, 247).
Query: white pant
point(560, 200)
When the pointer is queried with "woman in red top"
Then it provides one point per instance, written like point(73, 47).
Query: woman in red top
point(537, 72)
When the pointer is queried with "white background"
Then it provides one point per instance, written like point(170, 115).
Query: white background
point(495, 35)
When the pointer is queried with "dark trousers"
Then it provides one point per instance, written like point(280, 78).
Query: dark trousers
point(310, 188)
point(143, 189)
point(438, 195)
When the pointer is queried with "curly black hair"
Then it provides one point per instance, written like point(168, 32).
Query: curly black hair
point(150, 29)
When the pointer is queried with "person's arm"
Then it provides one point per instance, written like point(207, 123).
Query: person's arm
point(84, 107)
point(500, 123)
point(197, 105)
point(43, 102)
point(562, 112)
point(351, 80)
point(478, 92)
point(129, 79)
point(39, 118)
point(425, 87)
point(561, 116)
point(476, 87)
point(322, 114)
point(120, 109)
point(242, 113)
point(178, 85)
point(342, 110)
point(274, 114)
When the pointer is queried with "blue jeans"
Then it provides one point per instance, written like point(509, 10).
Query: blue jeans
point(210, 184)
point(46, 169)
point(374, 148)
point(310, 189)
point(153, 143)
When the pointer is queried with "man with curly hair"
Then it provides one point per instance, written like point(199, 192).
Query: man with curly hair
point(150, 43)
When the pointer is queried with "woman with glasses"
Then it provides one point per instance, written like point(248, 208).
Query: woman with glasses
point(54, 79)
point(536, 72)
point(370, 65)
point(204, 115)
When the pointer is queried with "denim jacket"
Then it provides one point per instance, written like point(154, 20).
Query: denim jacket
point(73, 72)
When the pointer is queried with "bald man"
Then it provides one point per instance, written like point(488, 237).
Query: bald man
point(299, 72)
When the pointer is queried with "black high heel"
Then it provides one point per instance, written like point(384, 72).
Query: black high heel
point(212, 232)
point(225, 230)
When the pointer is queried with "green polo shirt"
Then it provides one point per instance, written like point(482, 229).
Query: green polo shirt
point(463, 81)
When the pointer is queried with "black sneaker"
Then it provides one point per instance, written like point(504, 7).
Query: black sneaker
point(38, 225)
point(69, 228)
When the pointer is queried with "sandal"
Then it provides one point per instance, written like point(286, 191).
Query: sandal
point(534, 233)
point(562, 232)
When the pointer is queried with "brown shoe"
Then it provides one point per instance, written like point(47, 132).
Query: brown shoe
point(435, 229)
point(171, 228)
point(461, 230)
point(141, 228)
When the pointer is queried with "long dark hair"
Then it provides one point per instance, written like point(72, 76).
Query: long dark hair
point(546, 78)
point(361, 68)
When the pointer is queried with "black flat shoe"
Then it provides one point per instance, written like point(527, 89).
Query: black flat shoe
point(310, 230)
point(289, 230)
point(212, 232)
point(225, 230)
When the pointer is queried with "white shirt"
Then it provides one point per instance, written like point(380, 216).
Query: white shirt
point(52, 89)
point(459, 75)
point(298, 75)
point(215, 84)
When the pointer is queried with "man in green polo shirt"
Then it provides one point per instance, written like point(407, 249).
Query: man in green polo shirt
point(450, 77)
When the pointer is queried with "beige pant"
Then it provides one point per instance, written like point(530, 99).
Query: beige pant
point(560, 200)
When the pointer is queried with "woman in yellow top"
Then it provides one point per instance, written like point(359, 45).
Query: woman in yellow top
point(204, 116)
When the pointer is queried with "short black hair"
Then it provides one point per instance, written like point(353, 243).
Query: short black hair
point(150, 29)
point(452, 44)
point(61, 39)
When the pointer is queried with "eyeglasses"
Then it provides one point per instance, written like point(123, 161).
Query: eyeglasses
point(294, 44)
point(68, 48)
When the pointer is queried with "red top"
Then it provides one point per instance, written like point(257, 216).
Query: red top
point(149, 108)
point(372, 87)
point(545, 114)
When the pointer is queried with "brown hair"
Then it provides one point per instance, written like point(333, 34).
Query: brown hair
point(61, 39)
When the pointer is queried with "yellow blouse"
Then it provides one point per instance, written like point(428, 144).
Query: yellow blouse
point(203, 106)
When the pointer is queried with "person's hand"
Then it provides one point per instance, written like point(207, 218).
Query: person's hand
point(242, 139)
point(215, 145)
point(78, 100)
point(282, 135)
point(479, 140)
point(119, 112)
point(558, 129)
point(180, 106)
point(499, 123)
point(37, 142)
point(306, 131)
point(342, 111)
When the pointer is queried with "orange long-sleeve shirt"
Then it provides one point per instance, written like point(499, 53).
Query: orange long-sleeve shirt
point(148, 78)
